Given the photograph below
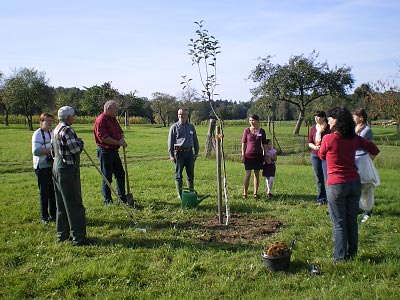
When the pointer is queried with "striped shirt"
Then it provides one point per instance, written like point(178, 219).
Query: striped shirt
point(69, 145)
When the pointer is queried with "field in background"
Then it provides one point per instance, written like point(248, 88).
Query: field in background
point(173, 259)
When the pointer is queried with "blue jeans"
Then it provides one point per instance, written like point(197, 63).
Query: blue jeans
point(47, 197)
point(343, 209)
point(110, 163)
point(185, 159)
point(319, 167)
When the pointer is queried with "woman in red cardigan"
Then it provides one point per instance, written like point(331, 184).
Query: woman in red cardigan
point(343, 185)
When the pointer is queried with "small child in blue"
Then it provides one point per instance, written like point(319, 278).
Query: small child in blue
point(269, 167)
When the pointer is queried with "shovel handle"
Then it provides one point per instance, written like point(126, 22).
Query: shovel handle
point(292, 244)
point(126, 171)
point(108, 183)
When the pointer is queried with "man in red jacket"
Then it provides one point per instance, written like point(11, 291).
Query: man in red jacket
point(109, 138)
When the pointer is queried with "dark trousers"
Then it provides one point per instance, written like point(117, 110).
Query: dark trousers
point(110, 163)
point(319, 167)
point(343, 209)
point(184, 160)
point(46, 189)
point(71, 215)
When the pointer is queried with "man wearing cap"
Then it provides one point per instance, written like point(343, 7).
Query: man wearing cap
point(66, 150)
point(183, 148)
point(109, 138)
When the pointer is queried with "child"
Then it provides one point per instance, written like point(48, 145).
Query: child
point(269, 167)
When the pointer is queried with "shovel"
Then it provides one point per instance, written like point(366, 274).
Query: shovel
point(108, 184)
point(129, 196)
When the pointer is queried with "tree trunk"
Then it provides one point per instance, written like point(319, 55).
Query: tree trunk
point(298, 124)
point(210, 141)
point(7, 118)
point(30, 125)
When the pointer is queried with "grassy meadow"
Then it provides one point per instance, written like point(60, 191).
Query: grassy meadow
point(171, 261)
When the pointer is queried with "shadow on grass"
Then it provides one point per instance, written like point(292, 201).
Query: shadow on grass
point(142, 242)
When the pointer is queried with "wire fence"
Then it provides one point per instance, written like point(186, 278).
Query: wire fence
point(294, 149)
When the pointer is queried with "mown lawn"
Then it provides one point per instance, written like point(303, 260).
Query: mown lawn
point(171, 261)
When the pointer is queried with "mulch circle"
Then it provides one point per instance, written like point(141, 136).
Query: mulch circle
point(241, 228)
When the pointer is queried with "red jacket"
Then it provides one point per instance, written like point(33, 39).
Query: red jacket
point(339, 154)
point(106, 126)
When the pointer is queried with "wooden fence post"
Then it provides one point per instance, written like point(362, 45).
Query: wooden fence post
point(210, 141)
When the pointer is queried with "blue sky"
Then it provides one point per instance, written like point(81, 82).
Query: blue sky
point(142, 45)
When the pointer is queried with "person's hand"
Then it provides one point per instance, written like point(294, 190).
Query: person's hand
point(80, 143)
point(195, 156)
point(123, 143)
point(359, 127)
point(242, 159)
point(172, 159)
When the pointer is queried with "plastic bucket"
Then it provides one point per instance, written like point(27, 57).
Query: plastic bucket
point(278, 263)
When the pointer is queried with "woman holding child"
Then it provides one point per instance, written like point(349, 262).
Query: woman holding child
point(317, 132)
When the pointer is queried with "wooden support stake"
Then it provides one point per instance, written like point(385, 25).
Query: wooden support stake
point(219, 181)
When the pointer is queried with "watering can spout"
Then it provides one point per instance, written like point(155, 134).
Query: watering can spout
point(202, 198)
point(190, 199)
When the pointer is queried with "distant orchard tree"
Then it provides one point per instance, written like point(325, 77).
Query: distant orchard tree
point(28, 90)
point(165, 108)
point(299, 82)
point(385, 100)
point(68, 96)
point(134, 105)
point(95, 97)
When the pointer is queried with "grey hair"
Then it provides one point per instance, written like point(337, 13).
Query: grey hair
point(109, 103)
point(64, 112)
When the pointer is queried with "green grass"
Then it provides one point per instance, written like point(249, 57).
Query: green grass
point(169, 261)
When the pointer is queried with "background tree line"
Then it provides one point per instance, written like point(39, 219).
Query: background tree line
point(292, 91)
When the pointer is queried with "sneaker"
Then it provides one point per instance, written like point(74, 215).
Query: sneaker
point(85, 242)
point(366, 217)
point(269, 195)
point(108, 201)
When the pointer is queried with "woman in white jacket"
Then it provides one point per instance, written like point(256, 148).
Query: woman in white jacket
point(43, 163)
point(366, 169)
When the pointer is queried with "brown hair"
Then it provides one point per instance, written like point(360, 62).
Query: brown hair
point(320, 113)
point(254, 117)
point(360, 112)
point(44, 116)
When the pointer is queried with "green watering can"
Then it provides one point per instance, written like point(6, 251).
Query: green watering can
point(190, 199)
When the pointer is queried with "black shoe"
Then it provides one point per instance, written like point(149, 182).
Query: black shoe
point(85, 242)
point(108, 201)
point(64, 239)
point(314, 270)
point(322, 202)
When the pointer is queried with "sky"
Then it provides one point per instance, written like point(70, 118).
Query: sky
point(142, 45)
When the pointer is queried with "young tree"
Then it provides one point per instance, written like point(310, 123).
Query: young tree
point(203, 52)
point(299, 82)
point(29, 90)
